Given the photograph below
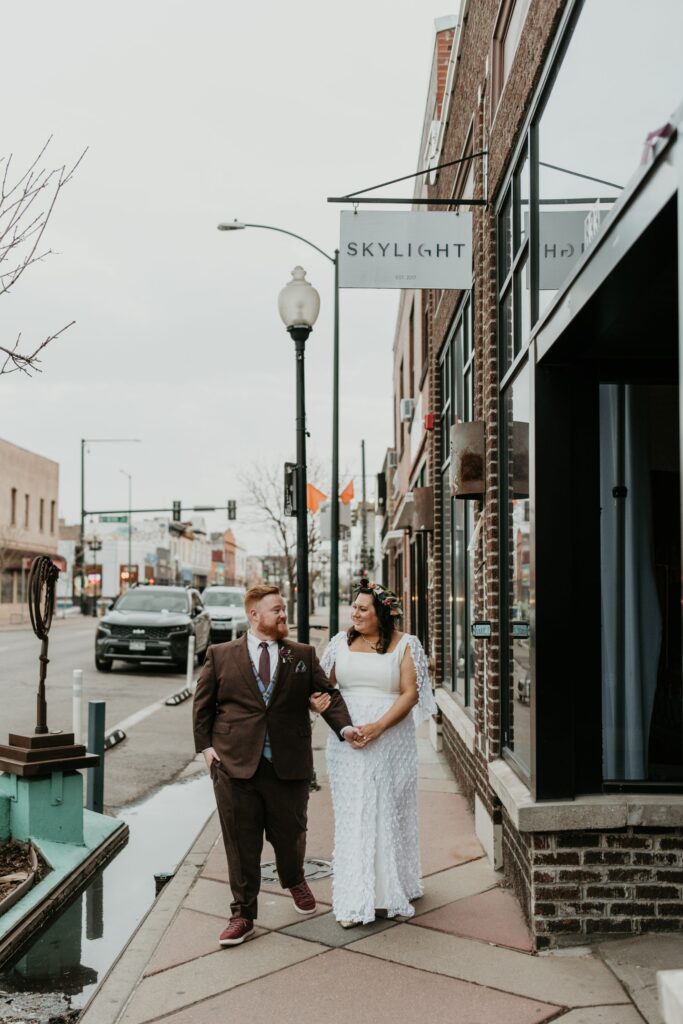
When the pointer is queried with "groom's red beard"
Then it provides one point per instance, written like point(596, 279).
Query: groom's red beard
point(277, 632)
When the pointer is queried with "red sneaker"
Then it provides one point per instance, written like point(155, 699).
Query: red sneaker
point(304, 900)
point(239, 929)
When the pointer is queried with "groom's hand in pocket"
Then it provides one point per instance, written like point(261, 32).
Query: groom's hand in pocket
point(210, 756)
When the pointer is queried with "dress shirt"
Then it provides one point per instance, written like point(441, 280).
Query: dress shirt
point(254, 645)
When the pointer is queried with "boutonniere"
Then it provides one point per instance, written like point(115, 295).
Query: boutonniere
point(286, 655)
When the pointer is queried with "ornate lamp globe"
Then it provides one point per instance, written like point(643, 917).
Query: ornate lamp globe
point(299, 303)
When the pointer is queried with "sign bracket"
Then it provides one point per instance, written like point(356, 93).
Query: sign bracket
point(352, 197)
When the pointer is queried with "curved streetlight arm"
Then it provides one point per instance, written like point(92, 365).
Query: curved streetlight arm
point(334, 518)
point(270, 227)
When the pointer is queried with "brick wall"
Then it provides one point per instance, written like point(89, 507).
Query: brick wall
point(574, 886)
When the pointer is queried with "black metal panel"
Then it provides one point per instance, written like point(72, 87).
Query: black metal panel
point(566, 667)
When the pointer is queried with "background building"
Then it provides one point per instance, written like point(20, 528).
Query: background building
point(28, 522)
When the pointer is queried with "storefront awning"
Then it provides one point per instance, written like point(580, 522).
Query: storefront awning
point(392, 537)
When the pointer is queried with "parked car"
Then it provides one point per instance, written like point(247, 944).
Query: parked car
point(225, 605)
point(152, 623)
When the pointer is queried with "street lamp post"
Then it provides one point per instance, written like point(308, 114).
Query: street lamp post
point(84, 441)
point(236, 225)
point(298, 305)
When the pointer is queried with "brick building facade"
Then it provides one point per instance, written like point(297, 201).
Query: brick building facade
point(558, 371)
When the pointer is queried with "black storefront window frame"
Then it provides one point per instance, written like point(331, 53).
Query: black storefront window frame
point(457, 405)
point(566, 711)
point(524, 253)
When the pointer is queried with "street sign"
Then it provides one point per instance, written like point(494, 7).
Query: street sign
point(113, 519)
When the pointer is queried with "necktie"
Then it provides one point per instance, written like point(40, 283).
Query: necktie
point(264, 664)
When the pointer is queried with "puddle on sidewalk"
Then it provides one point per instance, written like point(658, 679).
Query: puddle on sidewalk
point(59, 972)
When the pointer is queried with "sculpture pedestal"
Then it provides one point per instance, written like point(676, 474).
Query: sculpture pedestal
point(41, 796)
point(40, 755)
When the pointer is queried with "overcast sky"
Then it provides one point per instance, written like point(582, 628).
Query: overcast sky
point(195, 114)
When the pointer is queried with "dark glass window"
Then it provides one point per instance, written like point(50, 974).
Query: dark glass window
point(514, 281)
point(457, 390)
point(515, 578)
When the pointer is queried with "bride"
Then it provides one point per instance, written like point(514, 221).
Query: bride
point(382, 674)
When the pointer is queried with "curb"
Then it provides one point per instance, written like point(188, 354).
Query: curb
point(110, 999)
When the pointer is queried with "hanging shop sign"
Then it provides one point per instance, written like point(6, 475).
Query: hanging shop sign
point(411, 249)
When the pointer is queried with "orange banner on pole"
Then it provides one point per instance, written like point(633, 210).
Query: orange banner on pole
point(347, 494)
point(314, 498)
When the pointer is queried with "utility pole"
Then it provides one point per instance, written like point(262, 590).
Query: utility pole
point(364, 521)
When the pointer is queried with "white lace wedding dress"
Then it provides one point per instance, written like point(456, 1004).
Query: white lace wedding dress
point(374, 790)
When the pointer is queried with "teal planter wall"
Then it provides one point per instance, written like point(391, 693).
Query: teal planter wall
point(50, 808)
point(4, 817)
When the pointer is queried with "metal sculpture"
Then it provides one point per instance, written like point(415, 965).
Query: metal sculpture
point(41, 602)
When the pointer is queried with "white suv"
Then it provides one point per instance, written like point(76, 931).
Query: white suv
point(225, 606)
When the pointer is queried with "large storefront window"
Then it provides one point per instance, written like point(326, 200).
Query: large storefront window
point(457, 528)
point(597, 551)
point(640, 583)
point(593, 127)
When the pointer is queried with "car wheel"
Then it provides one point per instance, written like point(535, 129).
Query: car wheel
point(103, 664)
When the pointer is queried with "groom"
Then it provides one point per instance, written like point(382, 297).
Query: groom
point(252, 723)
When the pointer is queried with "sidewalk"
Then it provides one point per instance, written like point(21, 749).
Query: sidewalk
point(465, 956)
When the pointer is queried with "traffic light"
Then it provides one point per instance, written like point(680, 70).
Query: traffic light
point(232, 510)
point(176, 511)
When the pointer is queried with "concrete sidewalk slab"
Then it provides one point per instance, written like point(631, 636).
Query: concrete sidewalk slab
point(457, 883)
point(341, 987)
point(493, 916)
point(178, 987)
point(584, 981)
point(329, 932)
point(446, 832)
point(191, 935)
point(625, 1014)
point(636, 962)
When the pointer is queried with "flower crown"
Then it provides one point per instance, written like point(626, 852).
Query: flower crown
point(385, 596)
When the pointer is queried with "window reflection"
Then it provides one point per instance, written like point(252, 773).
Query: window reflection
point(595, 120)
point(447, 579)
point(516, 405)
point(460, 597)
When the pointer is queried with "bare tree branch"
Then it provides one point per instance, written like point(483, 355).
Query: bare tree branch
point(22, 225)
point(264, 487)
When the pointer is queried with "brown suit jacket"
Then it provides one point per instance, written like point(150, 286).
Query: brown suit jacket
point(230, 714)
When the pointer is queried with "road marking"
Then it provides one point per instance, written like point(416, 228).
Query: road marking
point(142, 714)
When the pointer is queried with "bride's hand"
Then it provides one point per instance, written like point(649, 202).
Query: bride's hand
point(319, 702)
point(370, 732)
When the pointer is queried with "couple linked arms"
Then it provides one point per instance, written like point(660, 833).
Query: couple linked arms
point(402, 706)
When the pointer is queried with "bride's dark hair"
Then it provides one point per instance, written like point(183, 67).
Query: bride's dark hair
point(388, 611)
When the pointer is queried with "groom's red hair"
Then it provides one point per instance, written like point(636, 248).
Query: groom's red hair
point(256, 594)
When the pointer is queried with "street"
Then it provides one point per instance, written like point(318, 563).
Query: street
point(156, 748)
